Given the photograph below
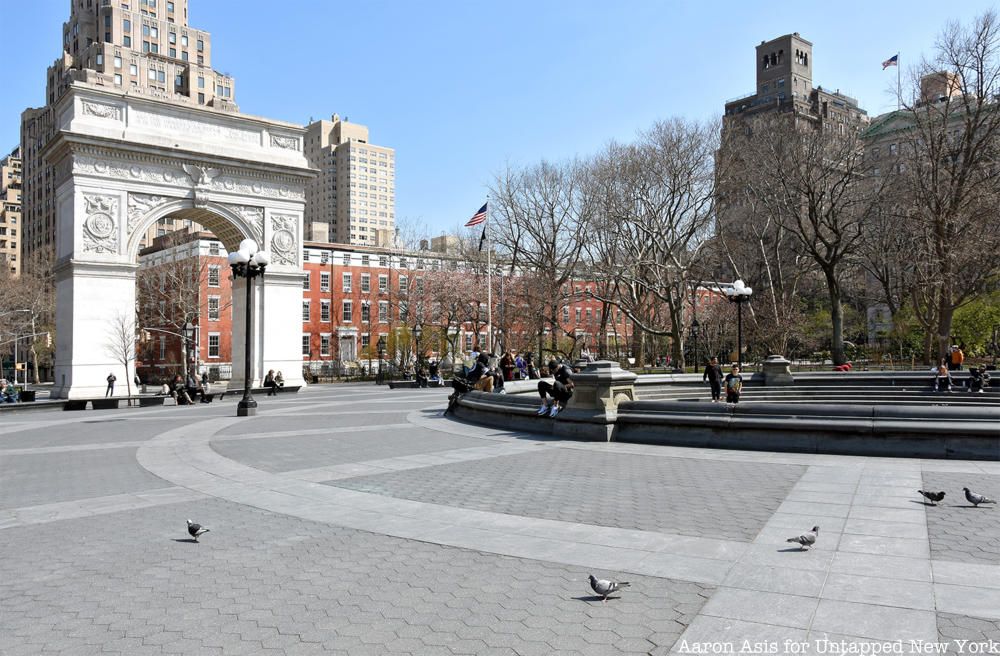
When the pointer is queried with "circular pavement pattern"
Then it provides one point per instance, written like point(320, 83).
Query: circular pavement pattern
point(352, 519)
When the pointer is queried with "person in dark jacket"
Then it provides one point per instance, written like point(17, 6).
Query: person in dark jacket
point(269, 383)
point(479, 376)
point(713, 374)
point(561, 389)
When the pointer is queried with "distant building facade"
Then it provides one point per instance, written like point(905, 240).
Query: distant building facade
point(785, 86)
point(10, 212)
point(353, 200)
point(138, 47)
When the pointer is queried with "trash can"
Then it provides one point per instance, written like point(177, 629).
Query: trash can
point(27, 396)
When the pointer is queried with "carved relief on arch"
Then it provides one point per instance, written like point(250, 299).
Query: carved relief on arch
point(100, 228)
point(253, 216)
point(284, 243)
point(140, 205)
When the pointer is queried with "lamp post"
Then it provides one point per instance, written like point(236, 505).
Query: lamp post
point(248, 263)
point(381, 350)
point(188, 331)
point(417, 332)
point(739, 293)
point(695, 327)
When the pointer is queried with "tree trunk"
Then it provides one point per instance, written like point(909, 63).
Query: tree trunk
point(945, 316)
point(836, 318)
point(34, 358)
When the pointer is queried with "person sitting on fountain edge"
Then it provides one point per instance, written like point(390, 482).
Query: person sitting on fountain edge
point(561, 389)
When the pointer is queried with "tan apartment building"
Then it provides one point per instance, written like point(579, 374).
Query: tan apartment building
point(785, 85)
point(10, 212)
point(353, 199)
point(139, 47)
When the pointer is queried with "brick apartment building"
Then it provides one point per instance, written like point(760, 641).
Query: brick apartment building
point(351, 297)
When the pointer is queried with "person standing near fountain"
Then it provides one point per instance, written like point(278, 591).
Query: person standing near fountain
point(713, 374)
point(734, 386)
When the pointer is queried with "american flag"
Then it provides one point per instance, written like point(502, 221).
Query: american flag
point(478, 217)
point(892, 61)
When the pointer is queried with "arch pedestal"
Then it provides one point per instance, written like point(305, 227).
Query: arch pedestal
point(122, 163)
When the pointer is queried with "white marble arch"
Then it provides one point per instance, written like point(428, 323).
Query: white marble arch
point(124, 162)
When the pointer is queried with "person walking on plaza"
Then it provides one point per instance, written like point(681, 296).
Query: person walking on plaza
point(269, 383)
point(111, 385)
point(734, 386)
point(713, 374)
point(561, 389)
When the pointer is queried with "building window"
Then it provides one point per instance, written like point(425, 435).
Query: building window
point(366, 341)
point(404, 311)
point(324, 345)
point(163, 347)
point(184, 40)
point(565, 315)
point(366, 283)
point(172, 37)
point(201, 99)
point(324, 311)
point(306, 347)
point(127, 41)
point(305, 310)
point(201, 82)
point(213, 345)
point(307, 281)
point(346, 282)
point(214, 274)
point(366, 312)
point(118, 79)
point(383, 312)
point(364, 260)
point(404, 284)
point(118, 62)
point(126, 25)
point(213, 308)
point(201, 45)
point(383, 283)
point(324, 281)
point(133, 69)
point(348, 311)
point(213, 248)
point(383, 261)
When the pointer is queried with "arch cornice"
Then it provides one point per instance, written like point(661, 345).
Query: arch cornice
point(230, 223)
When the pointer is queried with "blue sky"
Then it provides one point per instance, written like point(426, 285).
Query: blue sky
point(460, 89)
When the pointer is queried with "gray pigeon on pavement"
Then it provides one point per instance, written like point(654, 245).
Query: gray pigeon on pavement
point(604, 587)
point(976, 499)
point(196, 530)
point(933, 497)
point(806, 539)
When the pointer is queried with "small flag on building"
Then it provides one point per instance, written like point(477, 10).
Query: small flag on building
point(892, 61)
point(478, 217)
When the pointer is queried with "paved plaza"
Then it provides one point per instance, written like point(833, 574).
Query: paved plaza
point(356, 520)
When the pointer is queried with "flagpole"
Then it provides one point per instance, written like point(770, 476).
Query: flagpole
point(489, 281)
point(899, 92)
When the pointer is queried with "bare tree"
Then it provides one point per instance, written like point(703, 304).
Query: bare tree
point(121, 344)
point(948, 170)
point(815, 184)
point(657, 200)
point(539, 219)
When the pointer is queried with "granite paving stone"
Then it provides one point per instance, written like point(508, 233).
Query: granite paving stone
point(958, 531)
point(288, 453)
point(700, 498)
point(260, 581)
point(30, 480)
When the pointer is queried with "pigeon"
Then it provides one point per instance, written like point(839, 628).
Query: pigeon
point(806, 539)
point(604, 587)
point(933, 497)
point(196, 530)
point(976, 499)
